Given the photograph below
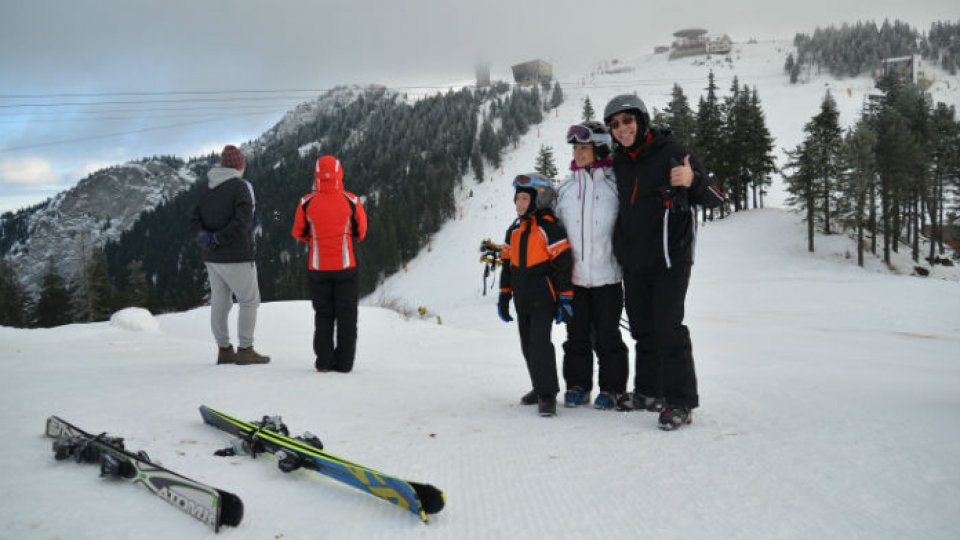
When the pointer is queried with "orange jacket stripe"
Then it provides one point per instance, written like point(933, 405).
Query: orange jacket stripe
point(558, 247)
point(538, 251)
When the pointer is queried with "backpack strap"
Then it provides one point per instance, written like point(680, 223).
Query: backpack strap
point(354, 228)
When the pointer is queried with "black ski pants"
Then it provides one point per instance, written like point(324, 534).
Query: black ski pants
point(335, 295)
point(664, 361)
point(595, 326)
point(538, 351)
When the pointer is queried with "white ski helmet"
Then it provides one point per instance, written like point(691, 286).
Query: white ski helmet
point(594, 133)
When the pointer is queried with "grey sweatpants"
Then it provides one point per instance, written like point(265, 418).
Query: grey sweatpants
point(240, 280)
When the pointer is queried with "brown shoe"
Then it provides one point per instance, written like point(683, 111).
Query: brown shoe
point(249, 356)
point(225, 355)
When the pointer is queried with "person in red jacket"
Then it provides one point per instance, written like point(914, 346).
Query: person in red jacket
point(330, 220)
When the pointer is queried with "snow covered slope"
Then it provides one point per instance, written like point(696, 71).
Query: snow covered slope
point(829, 406)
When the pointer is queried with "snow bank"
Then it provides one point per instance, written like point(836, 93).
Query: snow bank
point(135, 319)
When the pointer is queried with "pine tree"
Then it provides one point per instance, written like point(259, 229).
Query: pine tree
point(557, 99)
point(94, 299)
point(489, 145)
point(138, 292)
point(708, 138)
point(760, 161)
point(733, 145)
point(903, 163)
point(802, 185)
point(476, 163)
point(792, 68)
point(788, 65)
point(545, 164)
point(588, 111)
point(679, 118)
point(825, 140)
point(13, 299)
point(896, 164)
point(53, 305)
point(860, 178)
point(945, 162)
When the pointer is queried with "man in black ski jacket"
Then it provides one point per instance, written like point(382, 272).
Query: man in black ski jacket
point(659, 185)
point(222, 223)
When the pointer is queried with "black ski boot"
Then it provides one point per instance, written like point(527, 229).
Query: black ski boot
point(547, 406)
point(530, 398)
point(646, 403)
point(624, 403)
point(673, 418)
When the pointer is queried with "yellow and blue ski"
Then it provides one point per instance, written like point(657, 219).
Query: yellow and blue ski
point(270, 435)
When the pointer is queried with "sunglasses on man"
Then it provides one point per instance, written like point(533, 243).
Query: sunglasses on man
point(625, 121)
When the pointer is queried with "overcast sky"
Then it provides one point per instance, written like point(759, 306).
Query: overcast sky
point(52, 52)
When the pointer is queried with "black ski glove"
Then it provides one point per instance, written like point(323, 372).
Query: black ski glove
point(207, 240)
point(503, 307)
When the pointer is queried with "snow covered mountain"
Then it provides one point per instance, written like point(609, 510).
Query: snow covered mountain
point(304, 114)
point(108, 202)
point(99, 208)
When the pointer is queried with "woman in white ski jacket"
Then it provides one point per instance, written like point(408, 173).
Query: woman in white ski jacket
point(587, 206)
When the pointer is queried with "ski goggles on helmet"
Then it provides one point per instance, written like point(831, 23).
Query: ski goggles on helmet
point(530, 180)
point(578, 134)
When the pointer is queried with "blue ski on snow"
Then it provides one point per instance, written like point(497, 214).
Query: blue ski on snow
point(419, 499)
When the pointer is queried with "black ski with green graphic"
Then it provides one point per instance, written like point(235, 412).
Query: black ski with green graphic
point(210, 505)
point(271, 436)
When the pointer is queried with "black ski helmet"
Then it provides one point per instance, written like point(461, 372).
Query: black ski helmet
point(627, 103)
point(592, 132)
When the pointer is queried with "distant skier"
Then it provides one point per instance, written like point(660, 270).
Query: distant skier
point(536, 275)
point(587, 207)
point(223, 225)
point(330, 221)
point(658, 181)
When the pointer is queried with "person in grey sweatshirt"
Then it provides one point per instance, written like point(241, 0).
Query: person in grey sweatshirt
point(223, 225)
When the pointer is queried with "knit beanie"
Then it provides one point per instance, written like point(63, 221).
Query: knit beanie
point(231, 157)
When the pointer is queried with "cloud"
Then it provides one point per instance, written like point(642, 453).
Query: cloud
point(28, 171)
point(91, 167)
point(207, 148)
point(12, 203)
